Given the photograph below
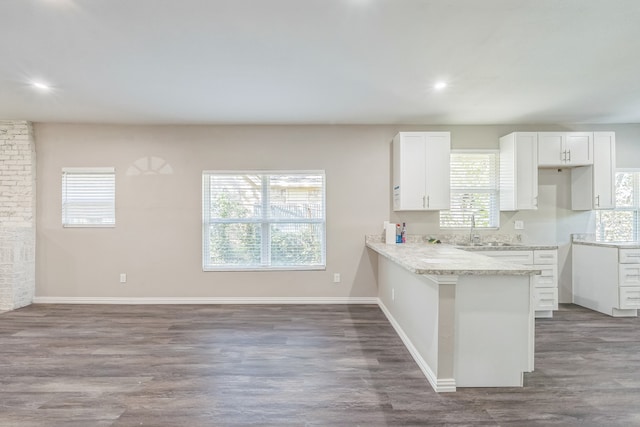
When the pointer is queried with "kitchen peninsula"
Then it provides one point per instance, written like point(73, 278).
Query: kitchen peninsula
point(467, 319)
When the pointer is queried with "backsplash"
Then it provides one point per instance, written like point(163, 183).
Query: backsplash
point(454, 239)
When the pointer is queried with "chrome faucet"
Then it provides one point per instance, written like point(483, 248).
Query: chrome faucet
point(472, 237)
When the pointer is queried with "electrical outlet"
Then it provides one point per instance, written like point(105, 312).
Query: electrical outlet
point(336, 278)
point(123, 277)
point(518, 225)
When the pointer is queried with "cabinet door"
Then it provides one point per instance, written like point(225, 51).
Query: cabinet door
point(545, 256)
point(630, 298)
point(579, 148)
point(409, 171)
point(519, 171)
point(545, 299)
point(548, 277)
point(551, 148)
point(629, 256)
point(515, 257)
point(527, 171)
point(629, 274)
point(604, 156)
point(437, 176)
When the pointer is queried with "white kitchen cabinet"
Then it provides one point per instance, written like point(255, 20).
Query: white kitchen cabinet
point(519, 171)
point(593, 187)
point(545, 290)
point(421, 171)
point(565, 149)
point(606, 278)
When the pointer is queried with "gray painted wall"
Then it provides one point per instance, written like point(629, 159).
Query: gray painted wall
point(157, 239)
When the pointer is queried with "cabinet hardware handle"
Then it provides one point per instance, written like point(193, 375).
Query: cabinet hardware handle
point(598, 200)
point(424, 203)
point(563, 156)
point(569, 155)
point(428, 203)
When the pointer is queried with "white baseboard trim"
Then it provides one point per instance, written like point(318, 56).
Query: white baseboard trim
point(439, 385)
point(205, 300)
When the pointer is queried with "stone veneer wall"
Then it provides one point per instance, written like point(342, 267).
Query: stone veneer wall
point(17, 214)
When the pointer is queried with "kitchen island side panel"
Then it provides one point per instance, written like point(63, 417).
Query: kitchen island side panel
point(494, 330)
point(412, 301)
point(595, 277)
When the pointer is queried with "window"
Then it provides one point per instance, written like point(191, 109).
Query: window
point(263, 221)
point(88, 197)
point(621, 224)
point(474, 190)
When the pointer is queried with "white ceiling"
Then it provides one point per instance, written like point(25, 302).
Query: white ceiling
point(321, 61)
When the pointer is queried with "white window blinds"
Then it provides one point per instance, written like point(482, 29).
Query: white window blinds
point(258, 220)
point(621, 224)
point(474, 190)
point(88, 197)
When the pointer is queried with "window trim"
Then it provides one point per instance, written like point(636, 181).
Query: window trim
point(86, 170)
point(205, 246)
point(497, 189)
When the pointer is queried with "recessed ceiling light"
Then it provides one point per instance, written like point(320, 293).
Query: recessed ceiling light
point(41, 86)
point(440, 85)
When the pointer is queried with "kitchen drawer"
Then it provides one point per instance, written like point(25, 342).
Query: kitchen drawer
point(629, 297)
point(548, 277)
point(629, 274)
point(545, 299)
point(545, 257)
point(515, 257)
point(629, 256)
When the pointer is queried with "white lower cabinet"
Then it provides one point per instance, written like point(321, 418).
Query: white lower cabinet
point(545, 300)
point(630, 298)
point(607, 279)
point(545, 291)
point(629, 274)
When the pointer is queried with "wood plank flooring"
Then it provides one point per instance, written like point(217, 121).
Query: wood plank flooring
point(291, 365)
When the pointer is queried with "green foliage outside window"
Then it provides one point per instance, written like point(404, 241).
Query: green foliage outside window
point(268, 221)
point(621, 224)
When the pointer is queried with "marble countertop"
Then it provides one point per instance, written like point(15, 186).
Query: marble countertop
point(442, 259)
point(619, 245)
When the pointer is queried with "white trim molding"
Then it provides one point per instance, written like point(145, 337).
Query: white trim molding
point(206, 300)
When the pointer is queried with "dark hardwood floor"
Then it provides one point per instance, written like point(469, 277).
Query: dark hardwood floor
point(291, 365)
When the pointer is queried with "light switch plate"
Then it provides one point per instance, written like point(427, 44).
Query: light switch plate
point(518, 225)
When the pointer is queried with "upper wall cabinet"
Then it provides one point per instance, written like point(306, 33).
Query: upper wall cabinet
point(519, 171)
point(565, 149)
point(421, 171)
point(593, 187)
